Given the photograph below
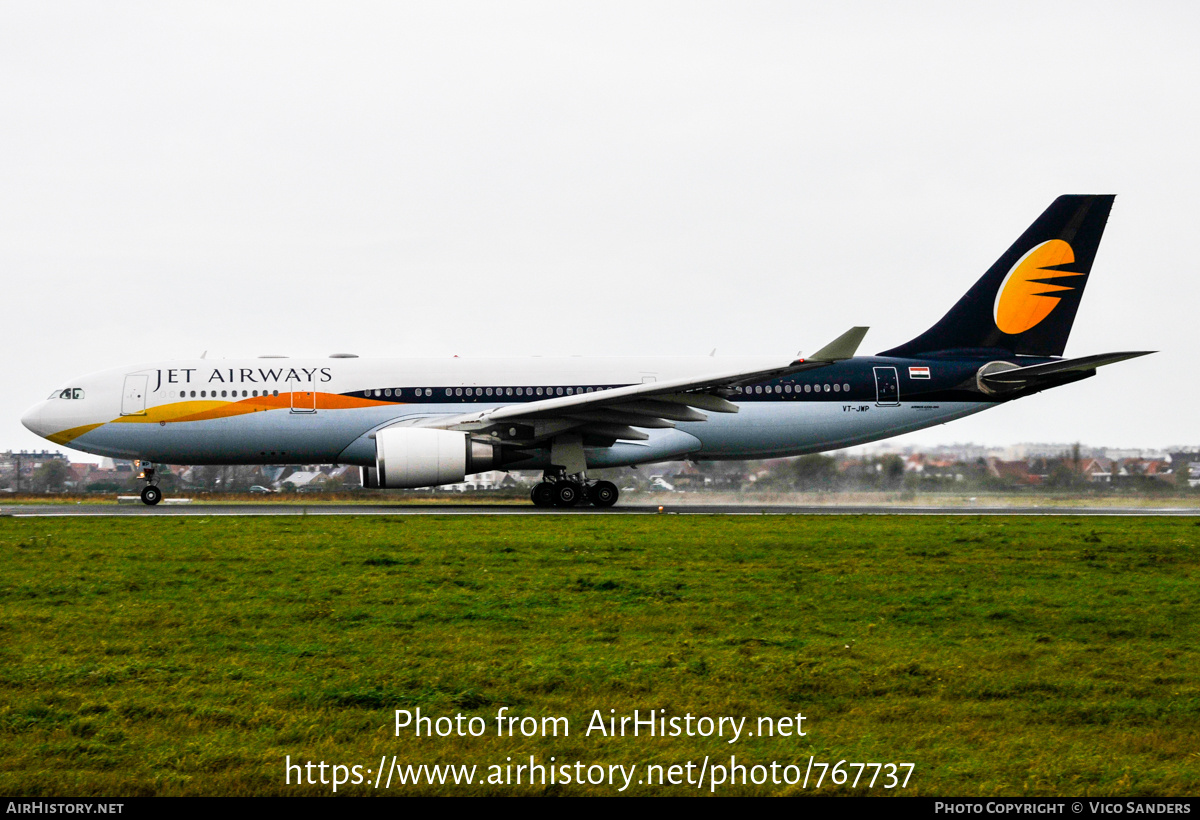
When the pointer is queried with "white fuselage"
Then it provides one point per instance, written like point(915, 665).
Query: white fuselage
point(283, 410)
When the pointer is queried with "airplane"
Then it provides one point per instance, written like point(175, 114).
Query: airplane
point(410, 423)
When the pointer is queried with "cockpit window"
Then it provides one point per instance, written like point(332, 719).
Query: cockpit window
point(77, 392)
point(69, 393)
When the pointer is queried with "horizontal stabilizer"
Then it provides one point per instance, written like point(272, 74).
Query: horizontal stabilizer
point(1035, 371)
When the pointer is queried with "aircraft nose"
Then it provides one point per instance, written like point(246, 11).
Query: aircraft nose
point(33, 419)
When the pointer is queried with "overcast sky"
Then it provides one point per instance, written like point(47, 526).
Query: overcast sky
point(485, 179)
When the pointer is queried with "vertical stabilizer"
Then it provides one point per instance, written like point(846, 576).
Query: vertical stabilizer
point(1026, 302)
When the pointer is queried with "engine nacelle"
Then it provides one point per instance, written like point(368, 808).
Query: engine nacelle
point(410, 457)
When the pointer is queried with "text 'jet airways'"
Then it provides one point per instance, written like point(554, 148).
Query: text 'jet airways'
point(425, 422)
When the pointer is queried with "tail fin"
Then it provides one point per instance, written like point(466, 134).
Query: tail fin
point(1027, 300)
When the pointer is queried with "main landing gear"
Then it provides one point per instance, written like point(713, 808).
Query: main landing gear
point(567, 491)
point(151, 494)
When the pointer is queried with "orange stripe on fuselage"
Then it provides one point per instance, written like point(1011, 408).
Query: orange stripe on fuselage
point(182, 411)
point(65, 437)
point(205, 410)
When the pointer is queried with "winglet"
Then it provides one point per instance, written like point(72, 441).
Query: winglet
point(843, 347)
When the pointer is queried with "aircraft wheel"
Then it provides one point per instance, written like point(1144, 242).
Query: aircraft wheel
point(566, 494)
point(542, 495)
point(603, 494)
point(151, 495)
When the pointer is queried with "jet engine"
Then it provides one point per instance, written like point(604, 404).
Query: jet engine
point(410, 457)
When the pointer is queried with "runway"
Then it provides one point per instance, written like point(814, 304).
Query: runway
point(174, 510)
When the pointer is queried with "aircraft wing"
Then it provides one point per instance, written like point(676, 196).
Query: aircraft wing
point(618, 412)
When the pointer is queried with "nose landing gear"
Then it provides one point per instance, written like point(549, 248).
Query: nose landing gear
point(151, 494)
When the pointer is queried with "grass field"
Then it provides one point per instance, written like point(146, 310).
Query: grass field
point(1001, 656)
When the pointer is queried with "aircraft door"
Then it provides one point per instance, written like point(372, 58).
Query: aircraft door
point(304, 396)
point(133, 397)
point(887, 387)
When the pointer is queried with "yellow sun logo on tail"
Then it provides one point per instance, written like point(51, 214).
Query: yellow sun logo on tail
point(1024, 300)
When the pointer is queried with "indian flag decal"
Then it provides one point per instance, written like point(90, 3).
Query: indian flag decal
point(918, 372)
